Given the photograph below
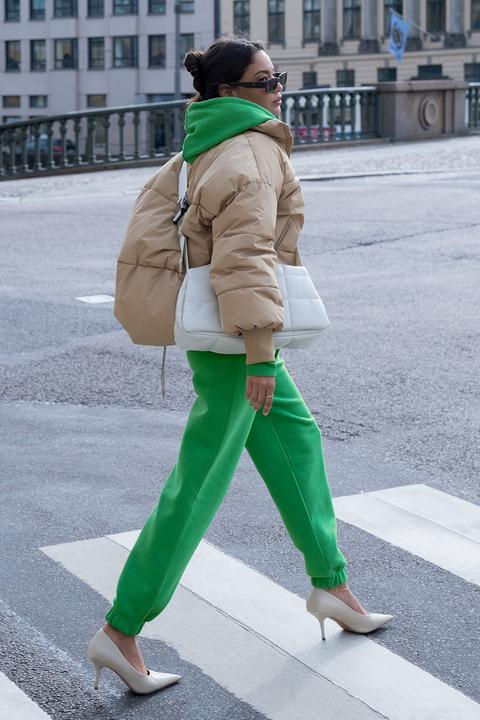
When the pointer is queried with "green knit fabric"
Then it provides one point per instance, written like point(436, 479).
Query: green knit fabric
point(210, 122)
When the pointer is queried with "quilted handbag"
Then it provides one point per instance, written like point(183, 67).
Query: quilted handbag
point(197, 318)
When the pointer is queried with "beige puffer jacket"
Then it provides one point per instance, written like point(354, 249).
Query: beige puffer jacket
point(245, 214)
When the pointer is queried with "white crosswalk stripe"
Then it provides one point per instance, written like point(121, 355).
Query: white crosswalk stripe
point(256, 639)
point(431, 524)
point(15, 705)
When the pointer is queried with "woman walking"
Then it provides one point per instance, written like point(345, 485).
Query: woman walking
point(245, 213)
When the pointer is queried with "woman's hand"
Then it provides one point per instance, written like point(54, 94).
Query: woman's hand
point(258, 387)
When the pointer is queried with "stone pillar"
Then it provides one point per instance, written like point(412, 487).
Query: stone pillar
point(455, 35)
point(414, 41)
point(410, 110)
point(369, 42)
point(328, 28)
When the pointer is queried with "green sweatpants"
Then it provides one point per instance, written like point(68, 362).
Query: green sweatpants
point(286, 448)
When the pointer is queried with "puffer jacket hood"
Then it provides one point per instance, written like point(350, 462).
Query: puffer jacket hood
point(210, 122)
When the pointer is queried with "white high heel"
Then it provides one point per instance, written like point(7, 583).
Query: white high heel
point(103, 652)
point(323, 604)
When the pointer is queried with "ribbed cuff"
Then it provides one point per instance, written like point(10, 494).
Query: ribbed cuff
point(259, 345)
point(265, 368)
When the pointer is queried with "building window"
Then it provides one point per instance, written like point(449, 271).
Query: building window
point(96, 101)
point(125, 51)
point(12, 55)
point(156, 51)
point(95, 8)
point(386, 74)
point(38, 55)
point(156, 7)
point(396, 6)
point(436, 15)
point(187, 42)
point(187, 6)
point(241, 17)
point(12, 10)
point(11, 118)
point(96, 53)
point(125, 7)
point(38, 101)
point(472, 72)
point(65, 8)
point(65, 53)
point(276, 21)
point(309, 79)
point(429, 72)
point(345, 78)
point(11, 101)
point(475, 14)
point(37, 9)
point(351, 18)
point(311, 20)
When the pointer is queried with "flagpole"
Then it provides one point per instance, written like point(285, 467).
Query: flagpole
point(424, 32)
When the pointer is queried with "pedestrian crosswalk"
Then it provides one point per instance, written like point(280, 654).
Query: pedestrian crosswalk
point(256, 639)
point(15, 705)
point(431, 524)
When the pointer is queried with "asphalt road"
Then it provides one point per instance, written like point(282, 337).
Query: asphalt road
point(86, 439)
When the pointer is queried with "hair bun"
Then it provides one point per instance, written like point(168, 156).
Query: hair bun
point(193, 62)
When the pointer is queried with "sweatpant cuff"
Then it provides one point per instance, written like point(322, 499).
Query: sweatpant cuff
point(329, 581)
point(127, 627)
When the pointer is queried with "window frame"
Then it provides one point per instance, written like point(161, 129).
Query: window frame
point(151, 11)
point(37, 14)
point(91, 59)
point(241, 17)
point(276, 22)
point(131, 7)
point(65, 8)
point(42, 66)
point(8, 43)
point(134, 56)
point(92, 12)
point(309, 19)
point(352, 15)
point(475, 12)
point(350, 71)
point(432, 7)
point(396, 5)
point(30, 105)
point(151, 40)
point(11, 10)
point(74, 55)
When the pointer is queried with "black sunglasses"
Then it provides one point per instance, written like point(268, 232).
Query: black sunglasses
point(268, 85)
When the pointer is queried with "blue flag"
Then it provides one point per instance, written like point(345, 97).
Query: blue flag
point(399, 29)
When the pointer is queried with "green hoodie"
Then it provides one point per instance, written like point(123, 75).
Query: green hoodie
point(210, 122)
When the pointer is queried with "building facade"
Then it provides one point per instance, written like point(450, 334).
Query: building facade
point(344, 42)
point(64, 55)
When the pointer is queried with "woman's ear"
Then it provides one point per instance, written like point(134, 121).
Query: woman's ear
point(225, 90)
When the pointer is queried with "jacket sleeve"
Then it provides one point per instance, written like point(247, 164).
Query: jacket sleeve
point(243, 268)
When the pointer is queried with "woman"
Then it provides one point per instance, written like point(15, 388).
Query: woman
point(245, 211)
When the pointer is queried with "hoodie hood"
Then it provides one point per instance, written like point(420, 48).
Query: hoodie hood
point(210, 122)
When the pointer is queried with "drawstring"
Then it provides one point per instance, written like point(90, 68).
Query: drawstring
point(162, 374)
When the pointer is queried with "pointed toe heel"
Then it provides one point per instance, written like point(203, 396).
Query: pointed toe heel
point(103, 652)
point(322, 604)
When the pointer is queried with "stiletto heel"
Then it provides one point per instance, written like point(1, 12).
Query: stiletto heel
point(322, 604)
point(98, 669)
point(104, 653)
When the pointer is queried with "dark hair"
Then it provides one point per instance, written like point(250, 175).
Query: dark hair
point(225, 61)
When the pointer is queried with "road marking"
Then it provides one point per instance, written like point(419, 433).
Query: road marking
point(15, 705)
point(256, 639)
point(431, 524)
point(95, 299)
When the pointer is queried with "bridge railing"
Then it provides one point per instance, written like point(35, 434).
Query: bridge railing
point(132, 133)
point(472, 107)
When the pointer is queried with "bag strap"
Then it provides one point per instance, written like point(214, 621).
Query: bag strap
point(178, 219)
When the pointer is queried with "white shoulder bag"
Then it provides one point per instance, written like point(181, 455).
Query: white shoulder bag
point(197, 318)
